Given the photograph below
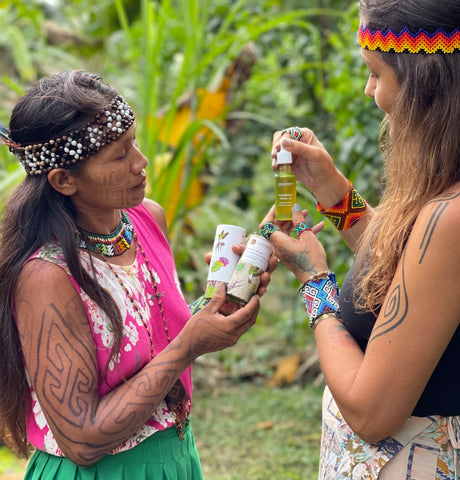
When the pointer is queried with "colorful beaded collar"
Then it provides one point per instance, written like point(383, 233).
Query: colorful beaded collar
point(110, 245)
point(406, 41)
point(107, 126)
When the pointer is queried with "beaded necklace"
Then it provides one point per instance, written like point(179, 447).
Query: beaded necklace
point(110, 245)
point(177, 398)
point(157, 296)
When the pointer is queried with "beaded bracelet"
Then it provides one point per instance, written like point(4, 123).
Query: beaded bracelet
point(198, 304)
point(348, 211)
point(321, 296)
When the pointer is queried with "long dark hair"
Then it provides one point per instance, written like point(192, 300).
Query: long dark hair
point(421, 146)
point(37, 214)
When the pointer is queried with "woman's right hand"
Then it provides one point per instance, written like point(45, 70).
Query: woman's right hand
point(313, 166)
point(210, 331)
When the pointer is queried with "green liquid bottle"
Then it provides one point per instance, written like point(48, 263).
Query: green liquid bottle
point(285, 186)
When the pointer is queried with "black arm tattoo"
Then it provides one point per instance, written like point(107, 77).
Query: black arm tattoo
point(298, 259)
point(443, 202)
point(71, 402)
point(60, 383)
point(340, 333)
point(396, 308)
point(430, 228)
point(445, 197)
point(397, 304)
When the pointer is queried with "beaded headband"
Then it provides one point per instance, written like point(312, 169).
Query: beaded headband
point(107, 126)
point(405, 41)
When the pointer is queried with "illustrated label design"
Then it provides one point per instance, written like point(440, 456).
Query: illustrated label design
point(223, 259)
point(246, 277)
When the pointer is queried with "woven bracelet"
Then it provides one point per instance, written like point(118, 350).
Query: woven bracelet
point(347, 212)
point(198, 304)
point(321, 296)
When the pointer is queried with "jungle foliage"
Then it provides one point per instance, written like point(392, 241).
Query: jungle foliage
point(210, 81)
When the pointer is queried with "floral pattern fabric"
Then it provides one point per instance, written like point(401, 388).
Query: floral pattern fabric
point(426, 448)
point(135, 351)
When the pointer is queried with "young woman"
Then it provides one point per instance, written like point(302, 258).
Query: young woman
point(389, 344)
point(97, 341)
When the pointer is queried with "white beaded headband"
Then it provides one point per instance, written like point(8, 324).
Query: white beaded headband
point(108, 125)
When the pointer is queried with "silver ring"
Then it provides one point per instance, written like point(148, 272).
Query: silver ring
point(294, 132)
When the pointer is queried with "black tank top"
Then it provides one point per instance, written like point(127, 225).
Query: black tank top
point(442, 393)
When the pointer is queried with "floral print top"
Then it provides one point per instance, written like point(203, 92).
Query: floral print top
point(135, 351)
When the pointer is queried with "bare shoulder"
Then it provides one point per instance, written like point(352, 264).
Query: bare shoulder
point(41, 286)
point(153, 207)
point(48, 311)
point(442, 214)
point(158, 213)
point(44, 276)
point(436, 232)
point(451, 196)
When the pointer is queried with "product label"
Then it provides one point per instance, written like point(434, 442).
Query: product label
point(257, 252)
point(285, 200)
point(223, 259)
point(246, 277)
point(285, 196)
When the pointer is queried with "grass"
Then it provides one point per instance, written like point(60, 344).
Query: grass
point(244, 428)
point(245, 431)
point(253, 432)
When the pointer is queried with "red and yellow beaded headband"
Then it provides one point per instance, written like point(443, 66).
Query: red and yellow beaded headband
point(405, 41)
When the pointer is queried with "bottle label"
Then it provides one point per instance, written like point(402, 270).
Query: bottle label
point(285, 199)
point(254, 261)
point(223, 259)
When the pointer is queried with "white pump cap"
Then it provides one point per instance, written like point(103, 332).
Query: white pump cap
point(284, 157)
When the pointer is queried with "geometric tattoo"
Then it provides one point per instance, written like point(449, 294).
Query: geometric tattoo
point(395, 308)
point(397, 305)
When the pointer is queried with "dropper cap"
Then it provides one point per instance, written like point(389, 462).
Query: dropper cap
point(283, 157)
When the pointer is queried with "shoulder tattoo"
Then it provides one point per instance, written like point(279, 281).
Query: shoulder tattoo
point(397, 305)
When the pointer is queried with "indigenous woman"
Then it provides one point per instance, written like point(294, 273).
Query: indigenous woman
point(97, 341)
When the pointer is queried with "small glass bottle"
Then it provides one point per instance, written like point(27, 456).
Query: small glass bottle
point(285, 186)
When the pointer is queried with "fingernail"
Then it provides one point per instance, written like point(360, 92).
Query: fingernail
point(286, 142)
point(297, 208)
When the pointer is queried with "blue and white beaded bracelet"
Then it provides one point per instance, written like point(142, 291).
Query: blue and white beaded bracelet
point(321, 296)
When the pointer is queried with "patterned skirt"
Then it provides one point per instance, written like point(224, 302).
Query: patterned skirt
point(426, 448)
point(161, 456)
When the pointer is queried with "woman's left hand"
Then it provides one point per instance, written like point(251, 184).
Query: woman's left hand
point(303, 256)
point(265, 278)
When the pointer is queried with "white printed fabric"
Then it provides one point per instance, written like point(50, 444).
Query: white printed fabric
point(426, 448)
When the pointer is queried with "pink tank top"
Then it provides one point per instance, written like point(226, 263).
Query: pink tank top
point(135, 351)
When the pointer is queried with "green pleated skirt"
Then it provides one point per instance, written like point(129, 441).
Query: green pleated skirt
point(162, 456)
